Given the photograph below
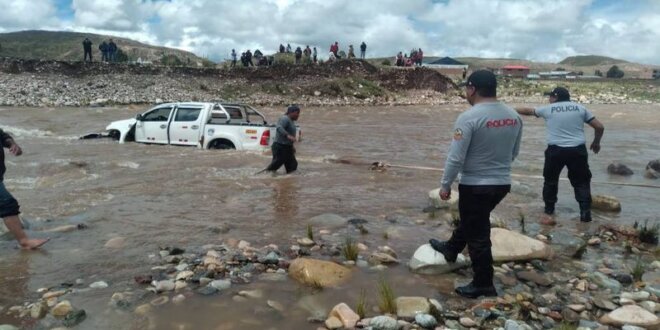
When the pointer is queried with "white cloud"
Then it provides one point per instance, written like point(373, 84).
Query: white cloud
point(530, 29)
point(27, 14)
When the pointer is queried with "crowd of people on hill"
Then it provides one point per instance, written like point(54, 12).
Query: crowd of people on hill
point(108, 50)
point(415, 59)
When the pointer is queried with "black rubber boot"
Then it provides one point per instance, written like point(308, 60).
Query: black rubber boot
point(443, 248)
point(549, 209)
point(585, 212)
point(472, 291)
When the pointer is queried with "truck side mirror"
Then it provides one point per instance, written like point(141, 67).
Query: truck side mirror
point(138, 117)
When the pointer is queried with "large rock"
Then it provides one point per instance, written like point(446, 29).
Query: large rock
point(653, 169)
point(605, 203)
point(62, 309)
point(631, 315)
point(408, 307)
point(511, 246)
point(318, 272)
point(619, 169)
point(383, 322)
point(428, 261)
point(328, 220)
point(346, 315)
point(435, 201)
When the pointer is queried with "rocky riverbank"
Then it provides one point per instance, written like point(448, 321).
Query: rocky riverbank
point(543, 282)
point(56, 83)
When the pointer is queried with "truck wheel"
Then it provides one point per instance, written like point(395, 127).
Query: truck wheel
point(115, 135)
point(221, 144)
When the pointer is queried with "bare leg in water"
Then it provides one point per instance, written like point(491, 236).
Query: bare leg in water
point(13, 223)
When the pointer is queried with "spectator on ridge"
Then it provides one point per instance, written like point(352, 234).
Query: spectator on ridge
point(103, 47)
point(363, 50)
point(298, 55)
point(112, 51)
point(87, 48)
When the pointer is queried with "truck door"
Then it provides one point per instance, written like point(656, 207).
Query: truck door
point(151, 127)
point(185, 128)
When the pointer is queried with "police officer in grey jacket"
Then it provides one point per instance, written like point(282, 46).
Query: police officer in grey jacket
point(284, 153)
point(566, 147)
point(486, 140)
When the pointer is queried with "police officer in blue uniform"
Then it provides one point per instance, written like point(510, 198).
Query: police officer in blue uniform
point(567, 148)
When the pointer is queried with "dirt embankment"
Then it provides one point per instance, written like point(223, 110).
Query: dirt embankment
point(38, 83)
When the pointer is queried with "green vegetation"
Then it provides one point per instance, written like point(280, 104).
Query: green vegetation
point(350, 249)
point(638, 271)
point(566, 326)
point(310, 232)
point(590, 60)
point(386, 62)
point(170, 60)
point(387, 299)
point(615, 72)
point(648, 234)
point(362, 307)
point(358, 87)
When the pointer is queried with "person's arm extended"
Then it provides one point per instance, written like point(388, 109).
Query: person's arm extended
point(283, 130)
point(599, 129)
point(516, 147)
point(456, 156)
point(526, 111)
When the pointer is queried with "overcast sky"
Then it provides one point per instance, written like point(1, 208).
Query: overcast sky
point(541, 30)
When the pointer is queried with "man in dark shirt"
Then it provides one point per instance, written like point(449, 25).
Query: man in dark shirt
point(284, 152)
point(87, 47)
point(112, 51)
point(9, 208)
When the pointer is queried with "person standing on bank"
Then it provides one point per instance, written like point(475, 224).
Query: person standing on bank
point(87, 48)
point(9, 208)
point(284, 153)
point(566, 147)
point(486, 141)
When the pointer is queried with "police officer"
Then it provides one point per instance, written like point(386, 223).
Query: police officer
point(566, 147)
point(486, 140)
point(284, 153)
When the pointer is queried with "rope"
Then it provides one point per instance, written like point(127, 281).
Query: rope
point(381, 166)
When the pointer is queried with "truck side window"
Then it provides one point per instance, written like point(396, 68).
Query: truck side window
point(234, 113)
point(162, 114)
point(187, 114)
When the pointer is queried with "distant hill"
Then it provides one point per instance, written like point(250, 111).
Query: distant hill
point(61, 45)
point(590, 60)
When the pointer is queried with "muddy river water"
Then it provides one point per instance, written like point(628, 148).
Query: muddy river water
point(175, 196)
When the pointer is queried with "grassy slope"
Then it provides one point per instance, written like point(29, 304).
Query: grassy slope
point(56, 45)
point(590, 60)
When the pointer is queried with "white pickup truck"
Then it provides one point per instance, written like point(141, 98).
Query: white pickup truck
point(205, 125)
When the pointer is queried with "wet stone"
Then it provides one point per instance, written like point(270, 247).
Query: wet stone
point(383, 323)
point(74, 318)
point(207, 290)
point(426, 321)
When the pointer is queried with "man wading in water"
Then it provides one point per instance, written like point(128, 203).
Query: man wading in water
point(566, 147)
point(9, 208)
point(486, 140)
point(284, 153)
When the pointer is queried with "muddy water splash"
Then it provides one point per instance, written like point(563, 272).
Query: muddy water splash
point(163, 196)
